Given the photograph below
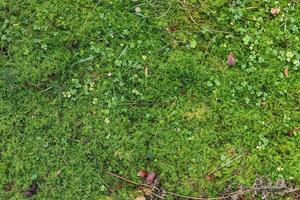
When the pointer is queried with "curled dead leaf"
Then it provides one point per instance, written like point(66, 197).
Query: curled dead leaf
point(231, 151)
point(31, 191)
point(171, 29)
point(293, 131)
point(28, 194)
point(58, 173)
point(231, 59)
point(151, 178)
point(142, 174)
point(263, 104)
point(286, 72)
point(275, 11)
point(210, 177)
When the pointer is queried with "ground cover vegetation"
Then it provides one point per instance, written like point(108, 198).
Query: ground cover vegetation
point(203, 93)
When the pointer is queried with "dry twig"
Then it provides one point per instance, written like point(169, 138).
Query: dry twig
point(279, 190)
point(188, 10)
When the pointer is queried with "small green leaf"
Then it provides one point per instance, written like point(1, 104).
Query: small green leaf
point(193, 44)
point(247, 39)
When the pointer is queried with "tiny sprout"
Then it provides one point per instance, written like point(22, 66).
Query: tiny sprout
point(102, 188)
point(289, 56)
point(95, 101)
point(44, 47)
point(279, 168)
point(107, 121)
point(67, 94)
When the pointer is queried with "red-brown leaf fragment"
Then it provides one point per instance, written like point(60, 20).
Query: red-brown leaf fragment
point(286, 72)
point(31, 191)
point(142, 174)
point(171, 29)
point(28, 194)
point(275, 11)
point(150, 178)
point(210, 177)
point(231, 59)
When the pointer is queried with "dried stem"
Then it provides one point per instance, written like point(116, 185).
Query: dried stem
point(189, 12)
point(226, 164)
point(129, 181)
point(273, 189)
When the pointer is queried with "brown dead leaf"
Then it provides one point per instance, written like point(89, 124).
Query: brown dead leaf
point(58, 173)
point(231, 151)
point(286, 72)
point(142, 174)
point(8, 187)
point(147, 191)
point(151, 178)
point(210, 177)
point(263, 104)
point(31, 191)
point(231, 59)
point(293, 131)
point(171, 29)
point(275, 11)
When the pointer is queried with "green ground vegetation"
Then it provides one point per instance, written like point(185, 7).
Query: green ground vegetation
point(91, 86)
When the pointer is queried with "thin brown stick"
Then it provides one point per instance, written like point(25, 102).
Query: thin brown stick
point(129, 181)
point(240, 192)
point(88, 17)
point(251, 8)
point(189, 12)
point(189, 197)
point(217, 31)
point(152, 193)
point(210, 42)
point(86, 20)
point(135, 183)
point(164, 14)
